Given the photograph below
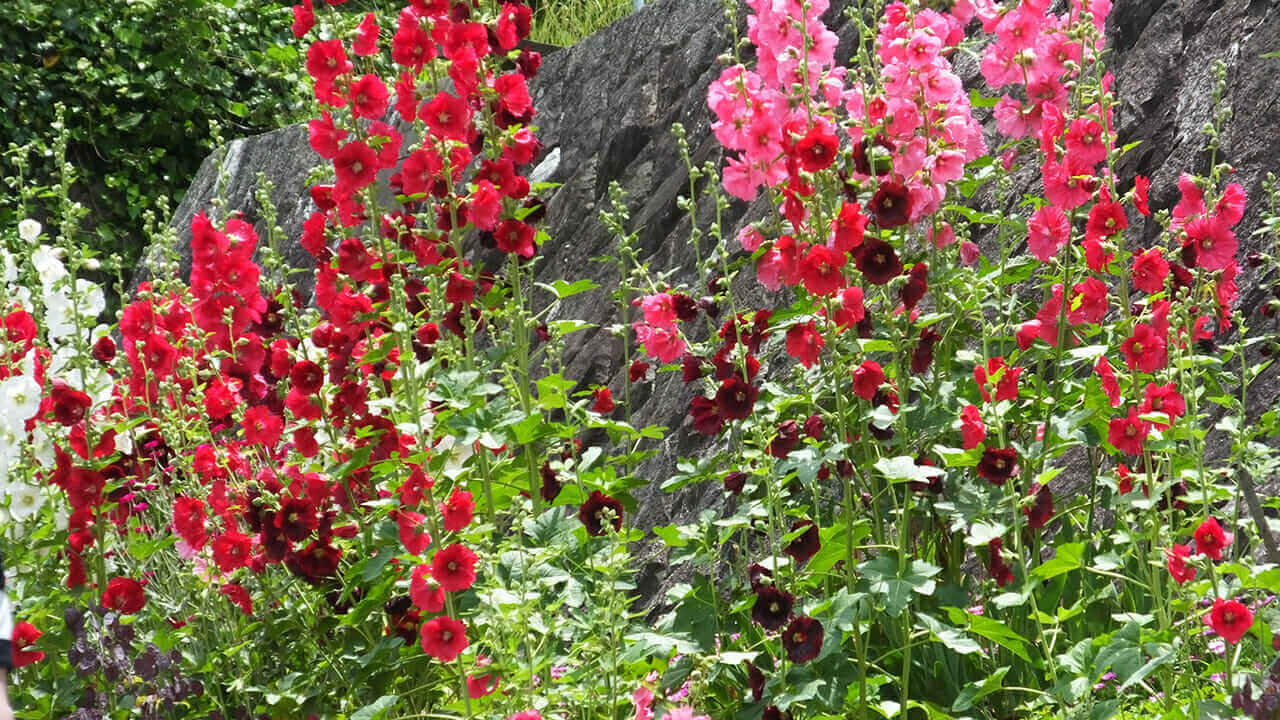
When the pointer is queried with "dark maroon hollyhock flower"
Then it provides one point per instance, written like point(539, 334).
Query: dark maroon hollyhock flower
point(686, 307)
point(922, 356)
point(551, 484)
point(773, 607)
point(317, 563)
point(891, 205)
point(1182, 277)
point(845, 468)
point(706, 418)
point(877, 261)
point(1189, 255)
point(735, 399)
point(787, 439)
point(802, 639)
point(297, 519)
point(638, 371)
point(773, 713)
point(735, 481)
point(996, 566)
point(104, 350)
point(595, 512)
point(814, 427)
point(690, 368)
point(1038, 515)
point(756, 575)
point(935, 483)
point(807, 545)
point(755, 680)
point(998, 465)
point(917, 285)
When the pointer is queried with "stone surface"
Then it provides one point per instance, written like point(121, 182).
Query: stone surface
point(606, 106)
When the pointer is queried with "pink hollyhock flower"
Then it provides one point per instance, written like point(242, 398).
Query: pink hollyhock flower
point(1047, 231)
point(664, 344)
point(1150, 270)
point(1214, 242)
point(659, 310)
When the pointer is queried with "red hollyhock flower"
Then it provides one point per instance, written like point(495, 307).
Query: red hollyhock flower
point(891, 205)
point(1177, 559)
point(785, 441)
point(851, 310)
point(1088, 302)
point(1106, 219)
point(124, 595)
point(1214, 242)
point(515, 21)
point(820, 269)
point(814, 428)
point(366, 42)
point(867, 379)
point(369, 97)
point(231, 550)
point(356, 165)
point(262, 427)
point(458, 510)
point(304, 18)
point(1211, 539)
point(326, 60)
point(804, 343)
point(1146, 349)
point(444, 638)
point(877, 261)
point(447, 116)
point(513, 236)
point(24, 636)
point(1163, 399)
point(425, 592)
point(454, 568)
point(413, 531)
point(296, 519)
point(736, 398)
point(1141, 184)
point(411, 46)
point(306, 377)
point(972, 428)
point(772, 608)
point(816, 150)
point(1110, 385)
point(68, 404)
point(922, 355)
point(1085, 141)
point(1231, 619)
point(998, 465)
point(1047, 231)
point(638, 371)
point(598, 510)
point(1004, 377)
point(1149, 270)
point(602, 400)
point(104, 350)
point(996, 566)
point(189, 521)
point(238, 596)
point(802, 639)
point(849, 227)
point(479, 686)
point(1129, 433)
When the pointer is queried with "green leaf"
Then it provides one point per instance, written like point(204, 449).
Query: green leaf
point(671, 536)
point(375, 709)
point(952, 637)
point(894, 585)
point(553, 392)
point(562, 289)
point(993, 630)
point(975, 691)
point(1069, 557)
point(1167, 653)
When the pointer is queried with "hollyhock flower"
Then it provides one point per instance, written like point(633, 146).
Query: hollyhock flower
point(124, 595)
point(972, 428)
point(805, 343)
point(705, 415)
point(304, 18)
point(262, 427)
point(1110, 385)
point(413, 531)
point(1211, 539)
point(326, 60)
point(1149, 270)
point(232, 550)
point(662, 343)
point(802, 639)
point(659, 310)
point(238, 597)
point(996, 566)
point(1141, 184)
point(1041, 511)
point(425, 592)
point(1004, 378)
point(189, 521)
point(814, 428)
point(1231, 619)
point(891, 205)
point(1179, 570)
point(851, 310)
point(296, 519)
point(366, 42)
point(1230, 207)
point(736, 398)
point(820, 269)
point(447, 116)
point(1145, 350)
point(867, 379)
point(444, 638)
point(1163, 399)
point(998, 465)
point(1106, 219)
point(1089, 302)
point(603, 401)
point(1214, 242)
point(916, 286)
point(68, 404)
point(356, 165)
point(816, 150)
point(369, 97)
point(772, 608)
point(599, 510)
point(454, 568)
point(639, 370)
point(457, 511)
point(1085, 142)
point(1064, 187)
point(526, 714)
point(922, 355)
point(877, 261)
point(1047, 231)
point(479, 686)
point(1128, 433)
point(804, 547)
point(24, 636)
point(642, 699)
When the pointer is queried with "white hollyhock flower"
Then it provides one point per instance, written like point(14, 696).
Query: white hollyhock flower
point(50, 268)
point(24, 501)
point(19, 398)
point(42, 446)
point(8, 268)
point(29, 230)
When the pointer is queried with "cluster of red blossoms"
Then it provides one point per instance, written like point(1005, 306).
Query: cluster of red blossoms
point(1230, 619)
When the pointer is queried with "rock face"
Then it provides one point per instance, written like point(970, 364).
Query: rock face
point(606, 105)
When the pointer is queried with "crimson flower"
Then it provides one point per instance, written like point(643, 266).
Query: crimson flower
point(917, 285)
point(262, 427)
point(998, 465)
point(356, 165)
point(735, 482)
point(996, 566)
point(849, 227)
point(805, 343)
point(1149, 270)
point(69, 405)
point(189, 521)
point(972, 429)
point(231, 550)
point(1163, 399)
point(820, 270)
point(1110, 385)
point(24, 636)
point(413, 531)
point(816, 150)
point(802, 639)
point(1231, 619)
point(444, 638)
point(603, 400)
point(1128, 433)
point(1211, 539)
point(124, 595)
point(1047, 231)
point(454, 568)
point(1179, 570)
point(1004, 378)
point(598, 510)
point(1214, 243)
point(425, 592)
point(238, 597)
point(1040, 512)
point(513, 236)
point(369, 97)
point(448, 116)
point(1146, 349)
point(705, 415)
point(772, 608)
point(867, 379)
point(326, 60)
